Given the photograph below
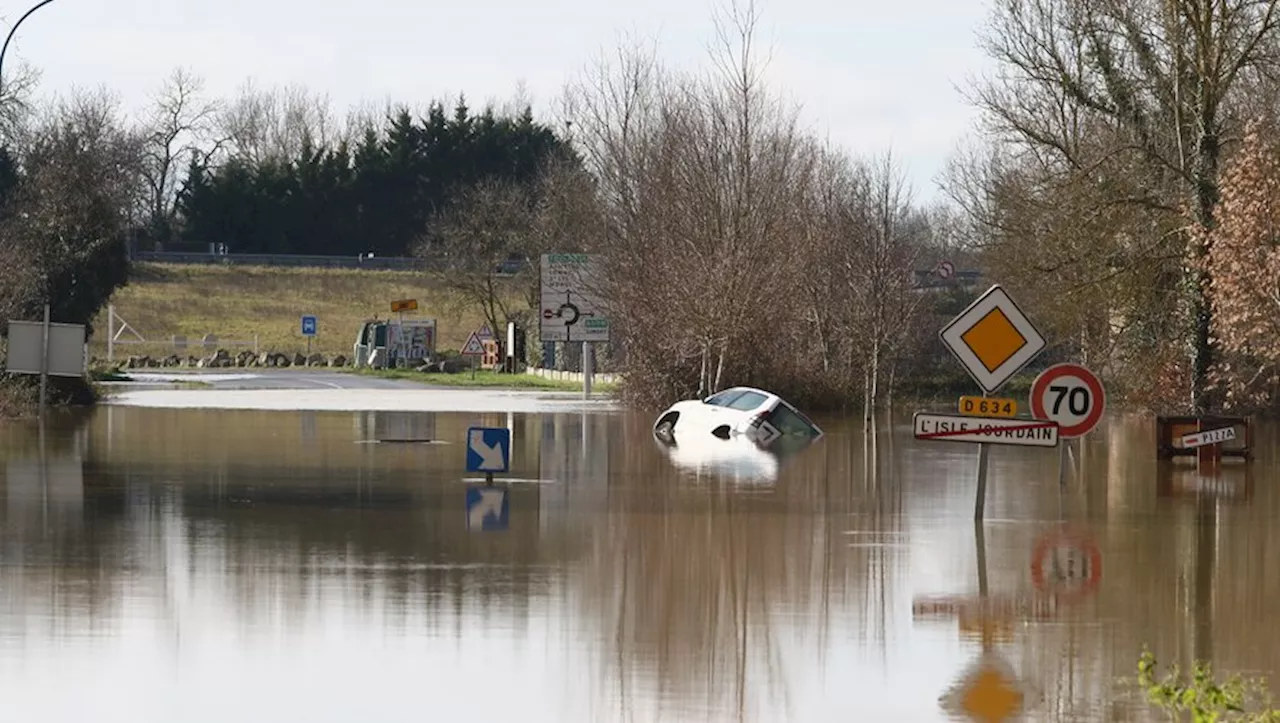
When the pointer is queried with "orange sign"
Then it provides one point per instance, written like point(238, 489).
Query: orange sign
point(404, 305)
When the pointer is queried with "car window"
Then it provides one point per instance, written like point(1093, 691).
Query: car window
point(723, 399)
point(791, 423)
point(748, 401)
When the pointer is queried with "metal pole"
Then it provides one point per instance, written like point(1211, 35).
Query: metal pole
point(980, 502)
point(1063, 448)
point(587, 369)
point(13, 30)
point(111, 332)
point(44, 361)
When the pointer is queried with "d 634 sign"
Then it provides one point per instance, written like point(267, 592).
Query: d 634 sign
point(1070, 395)
point(988, 407)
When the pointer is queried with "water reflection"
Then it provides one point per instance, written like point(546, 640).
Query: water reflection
point(159, 559)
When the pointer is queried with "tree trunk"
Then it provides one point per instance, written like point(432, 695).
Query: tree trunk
point(873, 381)
point(893, 375)
point(724, 349)
point(702, 373)
point(1206, 176)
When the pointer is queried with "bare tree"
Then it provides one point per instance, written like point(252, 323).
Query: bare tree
point(1159, 80)
point(277, 123)
point(16, 88)
point(178, 128)
point(698, 178)
point(81, 180)
point(473, 238)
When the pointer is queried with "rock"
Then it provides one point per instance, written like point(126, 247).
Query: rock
point(316, 360)
point(455, 366)
point(173, 360)
point(299, 360)
point(338, 361)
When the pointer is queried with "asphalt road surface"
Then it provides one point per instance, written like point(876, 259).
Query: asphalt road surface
point(322, 390)
point(265, 379)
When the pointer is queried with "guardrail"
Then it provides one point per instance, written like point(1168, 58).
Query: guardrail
point(384, 263)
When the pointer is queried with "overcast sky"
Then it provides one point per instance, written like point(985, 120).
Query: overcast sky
point(871, 75)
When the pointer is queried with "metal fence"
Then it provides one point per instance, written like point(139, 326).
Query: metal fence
point(384, 263)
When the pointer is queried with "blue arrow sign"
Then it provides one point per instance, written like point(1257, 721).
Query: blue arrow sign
point(488, 508)
point(308, 326)
point(488, 449)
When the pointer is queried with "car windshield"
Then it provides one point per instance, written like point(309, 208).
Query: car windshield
point(792, 423)
point(723, 399)
point(747, 401)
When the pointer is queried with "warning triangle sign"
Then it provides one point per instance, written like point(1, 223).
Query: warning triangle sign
point(473, 346)
point(484, 333)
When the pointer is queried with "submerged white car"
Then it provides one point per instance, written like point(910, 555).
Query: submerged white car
point(760, 416)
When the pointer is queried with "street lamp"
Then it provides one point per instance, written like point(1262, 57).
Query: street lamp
point(5, 49)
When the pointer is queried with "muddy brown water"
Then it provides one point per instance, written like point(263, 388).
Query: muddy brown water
point(177, 565)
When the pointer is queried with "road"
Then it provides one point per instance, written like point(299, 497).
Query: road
point(322, 390)
point(224, 379)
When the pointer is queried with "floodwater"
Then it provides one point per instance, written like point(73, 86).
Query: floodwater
point(201, 565)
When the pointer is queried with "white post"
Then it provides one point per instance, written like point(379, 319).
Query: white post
point(587, 364)
point(111, 332)
point(44, 361)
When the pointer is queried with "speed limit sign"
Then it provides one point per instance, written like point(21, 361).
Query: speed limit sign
point(1070, 395)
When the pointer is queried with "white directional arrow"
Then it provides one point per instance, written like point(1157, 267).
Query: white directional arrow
point(490, 503)
point(491, 457)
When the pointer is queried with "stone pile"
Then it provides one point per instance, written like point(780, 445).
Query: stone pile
point(223, 359)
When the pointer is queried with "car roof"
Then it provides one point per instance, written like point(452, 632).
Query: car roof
point(748, 389)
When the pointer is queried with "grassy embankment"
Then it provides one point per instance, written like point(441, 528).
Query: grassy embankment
point(235, 303)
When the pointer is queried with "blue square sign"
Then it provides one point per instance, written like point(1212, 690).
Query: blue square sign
point(488, 449)
point(488, 507)
point(308, 326)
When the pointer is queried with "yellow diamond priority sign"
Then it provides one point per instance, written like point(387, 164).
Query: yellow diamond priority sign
point(993, 339)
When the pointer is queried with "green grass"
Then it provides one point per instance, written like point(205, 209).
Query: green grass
point(487, 379)
point(237, 303)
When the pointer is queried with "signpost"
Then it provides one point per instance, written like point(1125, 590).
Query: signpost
point(1066, 565)
point(488, 451)
point(47, 349)
point(1209, 436)
point(1072, 396)
point(309, 328)
point(993, 340)
point(572, 309)
point(988, 407)
point(403, 305)
point(474, 348)
point(993, 430)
